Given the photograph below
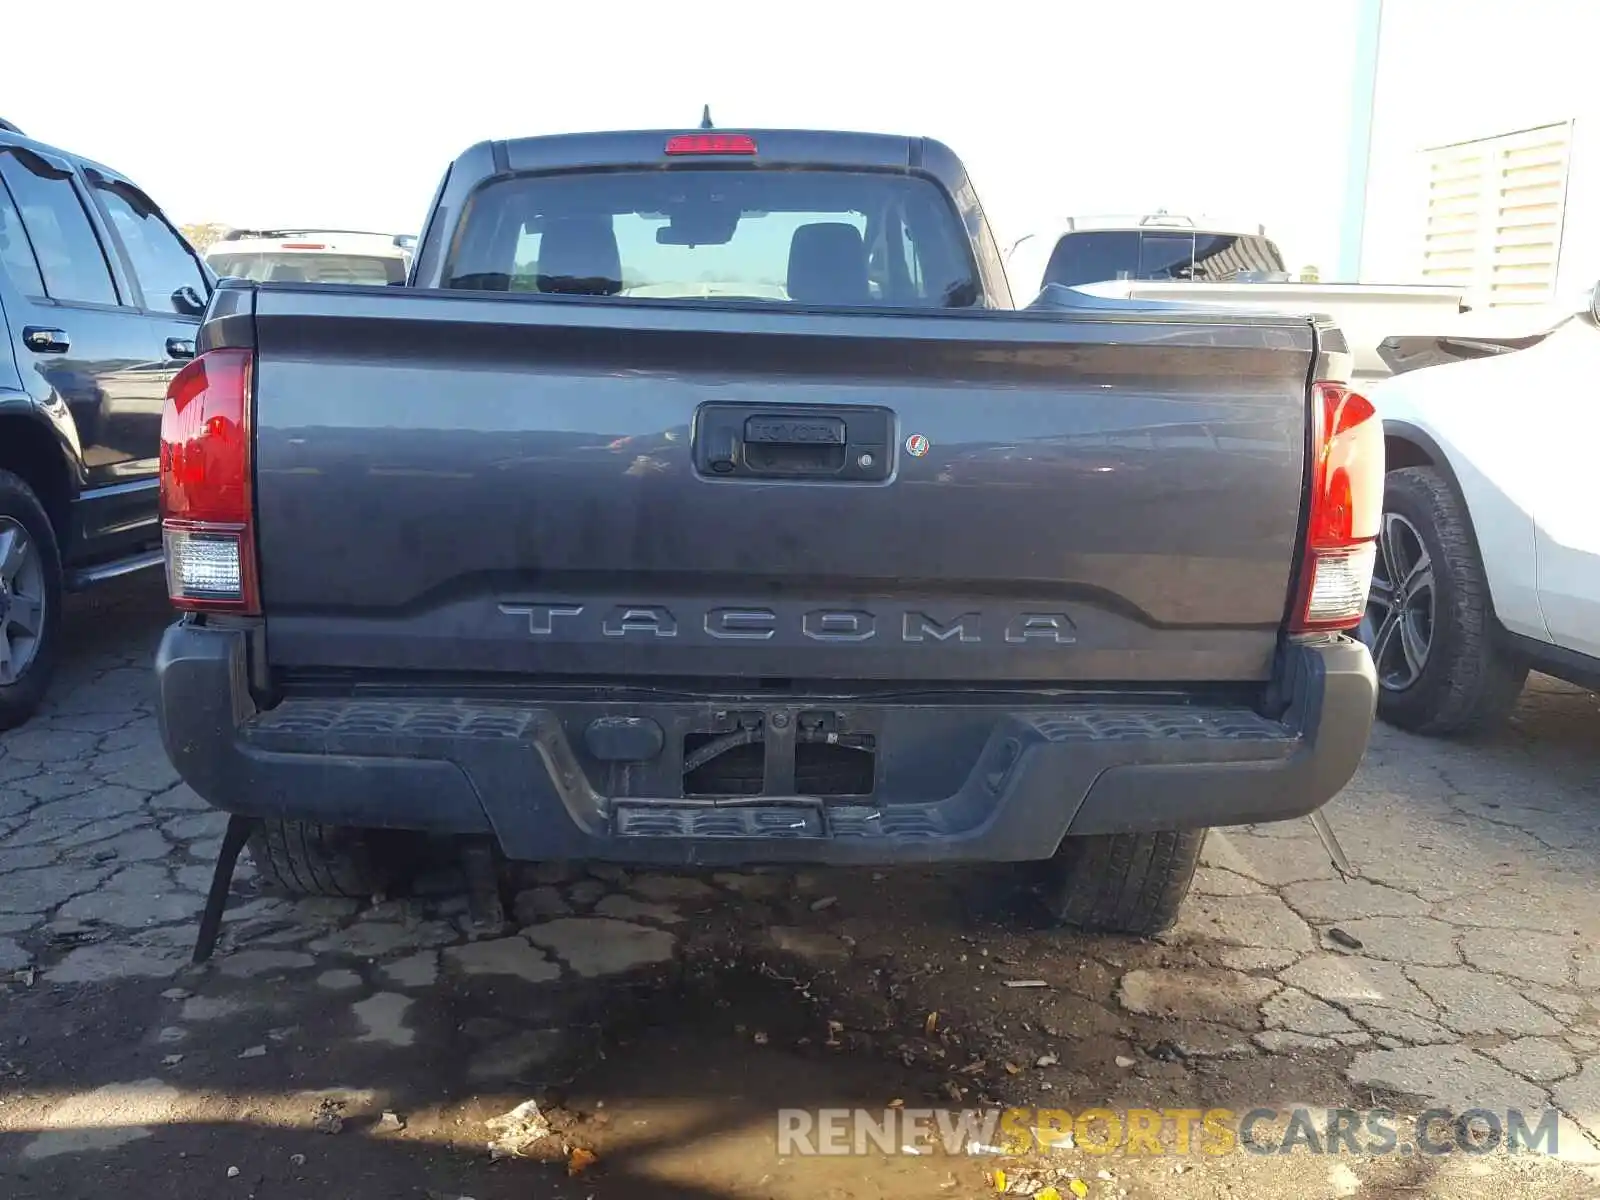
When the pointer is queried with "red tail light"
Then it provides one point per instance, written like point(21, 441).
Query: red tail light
point(711, 143)
point(1346, 507)
point(206, 518)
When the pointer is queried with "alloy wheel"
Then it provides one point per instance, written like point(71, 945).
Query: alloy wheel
point(1398, 626)
point(22, 600)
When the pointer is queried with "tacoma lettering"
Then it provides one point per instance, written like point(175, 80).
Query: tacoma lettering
point(826, 625)
point(919, 626)
point(542, 617)
point(753, 623)
point(747, 624)
point(648, 618)
point(1045, 627)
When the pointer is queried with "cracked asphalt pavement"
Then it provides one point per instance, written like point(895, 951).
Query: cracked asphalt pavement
point(660, 1021)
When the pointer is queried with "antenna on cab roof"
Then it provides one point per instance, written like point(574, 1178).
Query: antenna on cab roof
point(705, 118)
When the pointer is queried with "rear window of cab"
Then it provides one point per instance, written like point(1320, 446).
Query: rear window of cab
point(302, 267)
point(826, 238)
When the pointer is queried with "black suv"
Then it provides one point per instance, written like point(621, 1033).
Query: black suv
point(100, 298)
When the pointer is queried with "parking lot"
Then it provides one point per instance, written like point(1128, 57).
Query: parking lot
point(332, 1049)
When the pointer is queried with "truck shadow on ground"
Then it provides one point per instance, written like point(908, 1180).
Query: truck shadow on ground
point(674, 1077)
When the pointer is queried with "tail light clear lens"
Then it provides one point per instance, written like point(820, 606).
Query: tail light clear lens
point(1346, 509)
point(206, 511)
point(1340, 580)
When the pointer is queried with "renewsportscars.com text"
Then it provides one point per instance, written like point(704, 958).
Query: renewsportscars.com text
point(1373, 1132)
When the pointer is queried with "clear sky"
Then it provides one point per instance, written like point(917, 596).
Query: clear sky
point(342, 114)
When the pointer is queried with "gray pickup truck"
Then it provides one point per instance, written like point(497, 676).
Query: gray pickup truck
point(703, 501)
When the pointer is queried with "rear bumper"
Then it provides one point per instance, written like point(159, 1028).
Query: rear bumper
point(955, 781)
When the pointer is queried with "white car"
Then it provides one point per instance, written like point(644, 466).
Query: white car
point(313, 256)
point(1490, 537)
point(1175, 258)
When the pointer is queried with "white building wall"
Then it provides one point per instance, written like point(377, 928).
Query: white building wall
point(1457, 70)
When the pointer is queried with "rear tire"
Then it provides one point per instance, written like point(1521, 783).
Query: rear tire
point(30, 595)
point(1126, 883)
point(302, 858)
point(1467, 682)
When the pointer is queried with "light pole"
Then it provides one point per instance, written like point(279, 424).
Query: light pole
point(1363, 88)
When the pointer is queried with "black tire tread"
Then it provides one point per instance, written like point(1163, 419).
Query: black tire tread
point(1127, 883)
point(303, 858)
point(1479, 683)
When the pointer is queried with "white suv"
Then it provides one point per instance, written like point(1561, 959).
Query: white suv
point(313, 256)
point(1490, 539)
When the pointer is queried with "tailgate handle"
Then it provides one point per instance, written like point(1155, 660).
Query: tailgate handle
point(794, 444)
point(833, 443)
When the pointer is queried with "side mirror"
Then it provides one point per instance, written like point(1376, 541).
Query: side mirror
point(1594, 304)
point(188, 302)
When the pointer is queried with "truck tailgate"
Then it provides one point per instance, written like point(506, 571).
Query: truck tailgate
point(505, 486)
